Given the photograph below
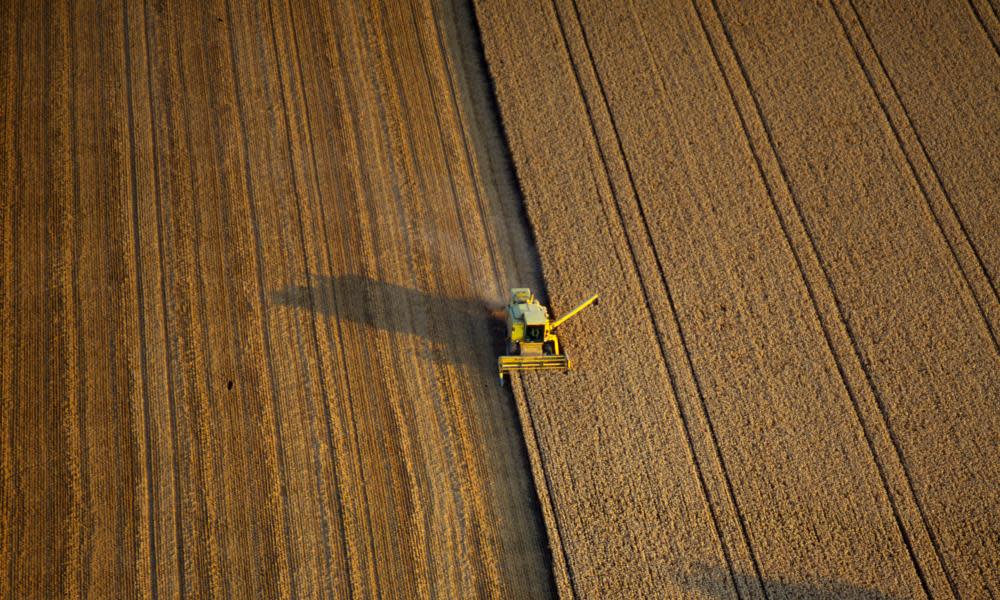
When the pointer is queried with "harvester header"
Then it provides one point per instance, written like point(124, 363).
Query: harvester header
point(532, 344)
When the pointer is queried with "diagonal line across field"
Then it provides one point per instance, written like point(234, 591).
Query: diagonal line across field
point(987, 321)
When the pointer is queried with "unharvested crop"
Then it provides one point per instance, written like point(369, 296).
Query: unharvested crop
point(791, 387)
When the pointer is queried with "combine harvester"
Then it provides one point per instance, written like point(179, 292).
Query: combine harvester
point(532, 344)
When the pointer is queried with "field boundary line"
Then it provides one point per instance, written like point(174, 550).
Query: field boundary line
point(672, 375)
point(922, 158)
point(477, 184)
point(150, 540)
point(845, 327)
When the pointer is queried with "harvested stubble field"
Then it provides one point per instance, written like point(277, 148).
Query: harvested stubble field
point(248, 252)
point(792, 387)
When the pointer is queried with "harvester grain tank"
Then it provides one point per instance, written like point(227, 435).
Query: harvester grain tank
point(532, 344)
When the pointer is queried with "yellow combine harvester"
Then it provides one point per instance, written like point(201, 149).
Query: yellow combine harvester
point(531, 343)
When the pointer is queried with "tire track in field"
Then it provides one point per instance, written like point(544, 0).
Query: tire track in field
point(866, 367)
point(673, 308)
point(913, 173)
point(685, 425)
point(829, 284)
point(73, 569)
point(924, 158)
point(66, 355)
point(786, 190)
point(991, 34)
point(910, 128)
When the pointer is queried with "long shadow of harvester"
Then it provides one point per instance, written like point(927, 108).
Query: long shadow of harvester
point(460, 330)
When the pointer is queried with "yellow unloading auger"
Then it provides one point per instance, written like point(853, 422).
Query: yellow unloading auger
point(532, 344)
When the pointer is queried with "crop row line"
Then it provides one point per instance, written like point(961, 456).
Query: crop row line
point(264, 318)
point(9, 475)
point(327, 415)
point(201, 437)
point(86, 547)
point(467, 153)
point(408, 136)
point(324, 398)
point(366, 187)
point(140, 308)
point(203, 440)
point(164, 307)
